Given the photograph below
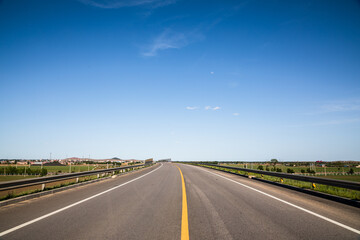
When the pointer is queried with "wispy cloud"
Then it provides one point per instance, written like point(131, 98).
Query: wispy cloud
point(236, 114)
point(192, 108)
point(212, 108)
point(344, 106)
point(170, 39)
point(332, 122)
point(127, 3)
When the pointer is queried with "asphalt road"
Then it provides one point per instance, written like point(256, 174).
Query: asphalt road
point(148, 205)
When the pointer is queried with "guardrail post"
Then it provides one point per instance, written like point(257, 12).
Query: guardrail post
point(77, 180)
point(98, 175)
point(42, 187)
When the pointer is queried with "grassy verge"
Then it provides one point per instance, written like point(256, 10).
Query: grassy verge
point(51, 170)
point(329, 170)
point(50, 186)
point(337, 191)
point(14, 177)
point(355, 178)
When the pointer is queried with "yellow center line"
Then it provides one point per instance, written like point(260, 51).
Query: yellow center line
point(184, 220)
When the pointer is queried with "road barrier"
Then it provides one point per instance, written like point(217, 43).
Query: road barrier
point(324, 181)
point(5, 186)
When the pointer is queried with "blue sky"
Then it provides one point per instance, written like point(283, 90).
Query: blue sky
point(190, 80)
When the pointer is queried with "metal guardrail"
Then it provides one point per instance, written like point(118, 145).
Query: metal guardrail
point(324, 181)
point(43, 180)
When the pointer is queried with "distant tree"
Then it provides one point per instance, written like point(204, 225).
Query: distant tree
point(310, 171)
point(290, 170)
point(260, 167)
point(278, 170)
point(43, 172)
point(267, 168)
point(351, 171)
point(274, 162)
point(302, 171)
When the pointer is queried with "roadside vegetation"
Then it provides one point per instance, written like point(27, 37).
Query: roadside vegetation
point(270, 166)
point(14, 172)
point(49, 186)
point(334, 170)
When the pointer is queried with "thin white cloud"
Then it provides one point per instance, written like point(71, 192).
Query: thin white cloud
point(333, 122)
point(170, 39)
point(110, 4)
point(343, 106)
point(191, 108)
point(236, 114)
point(212, 108)
point(211, 72)
point(166, 40)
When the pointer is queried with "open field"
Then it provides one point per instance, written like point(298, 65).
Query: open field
point(6, 194)
point(342, 192)
point(13, 177)
point(61, 169)
point(355, 178)
point(297, 169)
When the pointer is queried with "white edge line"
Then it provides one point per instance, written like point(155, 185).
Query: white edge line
point(71, 205)
point(288, 203)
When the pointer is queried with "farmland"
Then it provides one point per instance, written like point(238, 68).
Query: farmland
point(342, 192)
point(8, 173)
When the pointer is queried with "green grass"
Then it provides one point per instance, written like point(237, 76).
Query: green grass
point(337, 191)
point(297, 169)
point(82, 179)
point(65, 169)
point(354, 178)
point(11, 178)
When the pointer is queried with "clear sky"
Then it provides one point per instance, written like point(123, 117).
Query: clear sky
point(186, 79)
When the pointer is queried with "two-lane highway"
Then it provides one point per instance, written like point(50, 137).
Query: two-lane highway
point(150, 204)
point(226, 206)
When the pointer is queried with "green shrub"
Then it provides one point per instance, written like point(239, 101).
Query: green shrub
point(43, 172)
point(290, 170)
point(260, 167)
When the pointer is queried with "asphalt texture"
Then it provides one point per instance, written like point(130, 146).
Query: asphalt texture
point(150, 208)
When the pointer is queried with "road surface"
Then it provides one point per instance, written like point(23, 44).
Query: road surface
point(149, 204)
